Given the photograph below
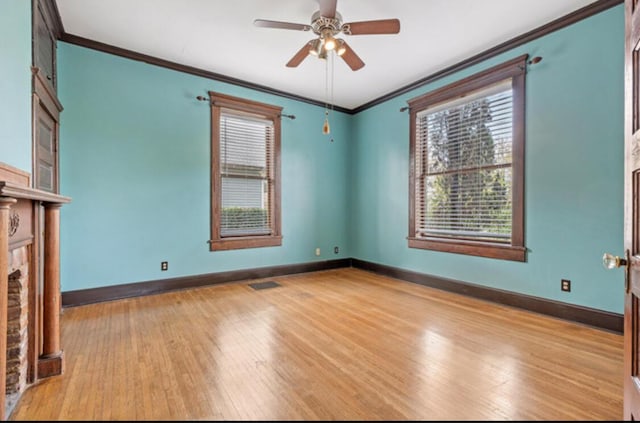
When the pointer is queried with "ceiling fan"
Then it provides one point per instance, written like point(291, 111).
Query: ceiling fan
point(327, 23)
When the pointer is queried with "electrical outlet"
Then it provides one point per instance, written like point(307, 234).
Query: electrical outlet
point(336, 250)
point(164, 265)
point(565, 285)
point(317, 251)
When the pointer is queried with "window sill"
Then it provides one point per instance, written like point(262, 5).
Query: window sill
point(480, 249)
point(236, 243)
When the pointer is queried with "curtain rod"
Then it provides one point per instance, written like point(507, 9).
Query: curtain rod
point(203, 98)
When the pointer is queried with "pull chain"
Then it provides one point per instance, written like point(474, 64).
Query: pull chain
point(325, 127)
point(332, 79)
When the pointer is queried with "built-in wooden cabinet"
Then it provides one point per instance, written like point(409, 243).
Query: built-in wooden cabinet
point(46, 122)
point(46, 28)
point(44, 40)
point(46, 148)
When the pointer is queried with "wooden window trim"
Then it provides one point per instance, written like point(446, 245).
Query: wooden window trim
point(514, 69)
point(270, 112)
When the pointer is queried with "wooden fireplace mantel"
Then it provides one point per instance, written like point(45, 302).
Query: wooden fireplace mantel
point(19, 203)
point(13, 190)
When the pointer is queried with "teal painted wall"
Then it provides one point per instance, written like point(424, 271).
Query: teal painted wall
point(134, 158)
point(574, 173)
point(15, 83)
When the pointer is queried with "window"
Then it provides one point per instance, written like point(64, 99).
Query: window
point(467, 165)
point(245, 173)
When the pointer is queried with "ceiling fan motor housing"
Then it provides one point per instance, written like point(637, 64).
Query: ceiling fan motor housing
point(320, 24)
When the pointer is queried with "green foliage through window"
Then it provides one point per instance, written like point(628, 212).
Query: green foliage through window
point(467, 180)
point(241, 220)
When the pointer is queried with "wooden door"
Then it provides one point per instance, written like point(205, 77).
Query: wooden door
point(631, 261)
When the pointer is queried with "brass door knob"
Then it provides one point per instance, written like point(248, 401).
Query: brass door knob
point(609, 261)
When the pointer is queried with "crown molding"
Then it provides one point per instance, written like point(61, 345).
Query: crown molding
point(129, 54)
point(560, 23)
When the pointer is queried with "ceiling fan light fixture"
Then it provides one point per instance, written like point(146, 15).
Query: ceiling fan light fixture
point(329, 41)
point(315, 47)
point(330, 44)
point(326, 24)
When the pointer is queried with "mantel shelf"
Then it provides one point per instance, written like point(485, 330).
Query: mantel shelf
point(9, 189)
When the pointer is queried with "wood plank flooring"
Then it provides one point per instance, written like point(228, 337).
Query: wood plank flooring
point(341, 344)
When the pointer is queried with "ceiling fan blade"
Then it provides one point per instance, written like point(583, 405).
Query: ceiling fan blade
point(264, 23)
point(383, 26)
point(351, 58)
point(299, 56)
point(328, 8)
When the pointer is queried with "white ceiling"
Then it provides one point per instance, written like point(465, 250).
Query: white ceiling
point(219, 36)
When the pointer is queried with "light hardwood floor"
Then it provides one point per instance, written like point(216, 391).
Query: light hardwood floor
point(342, 344)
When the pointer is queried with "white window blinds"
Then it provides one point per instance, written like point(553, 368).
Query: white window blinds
point(246, 171)
point(463, 164)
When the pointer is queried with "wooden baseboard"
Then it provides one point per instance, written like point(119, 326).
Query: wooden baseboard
point(613, 322)
point(597, 318)
point(115, 292)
